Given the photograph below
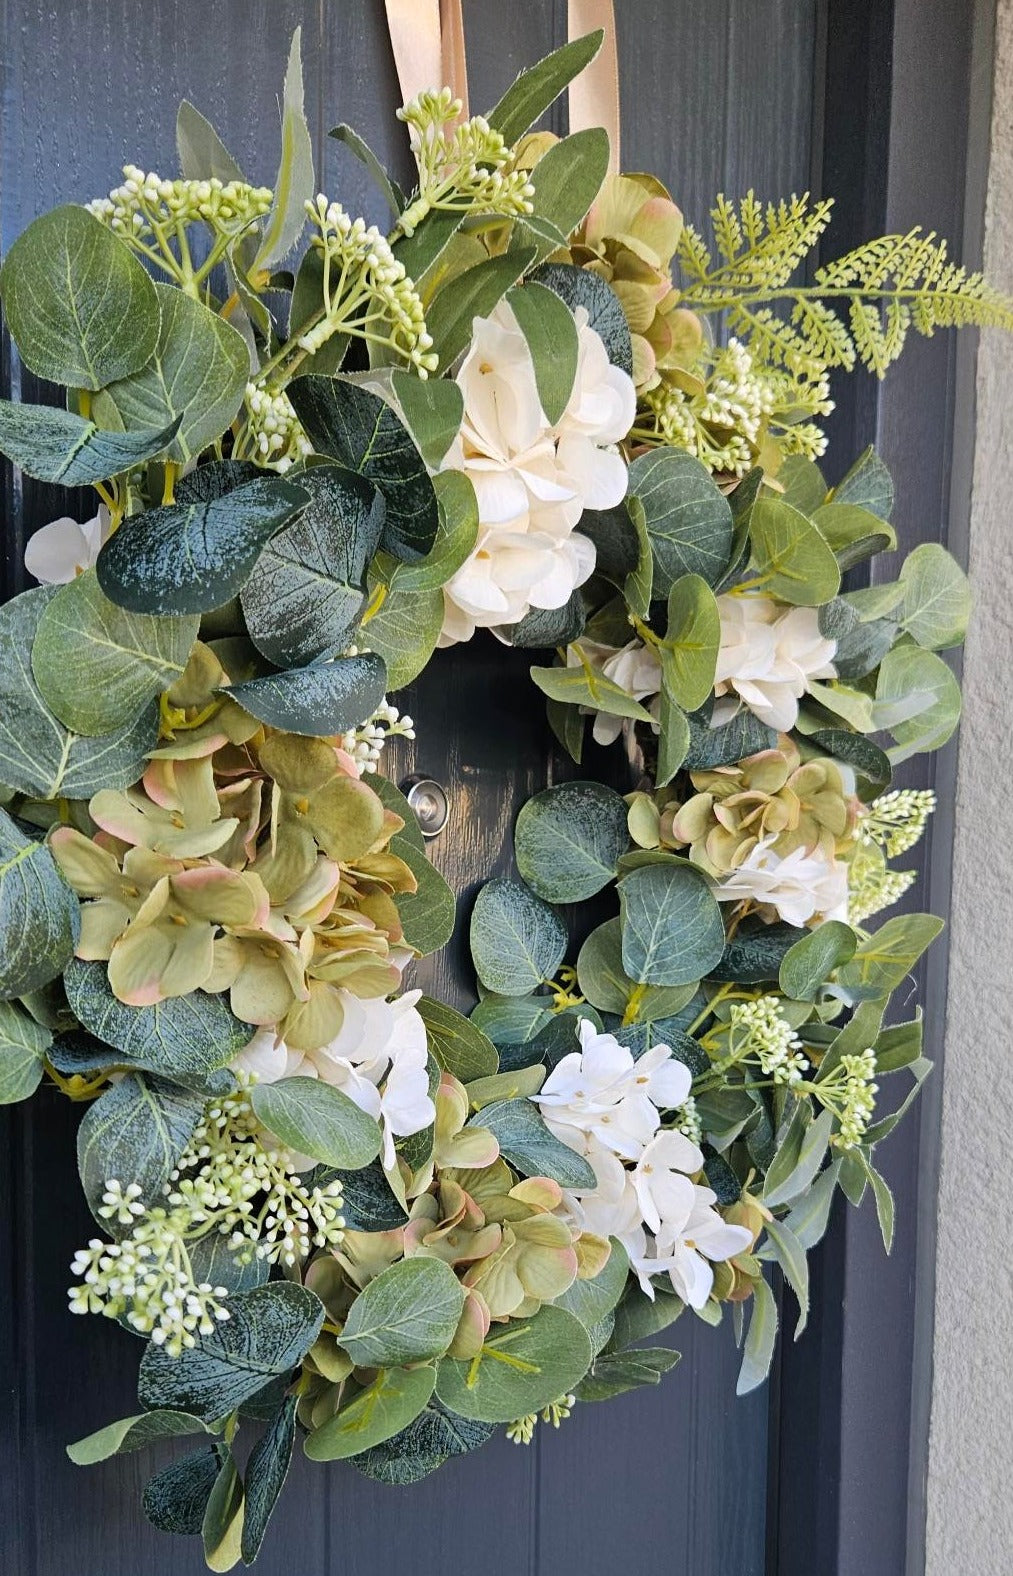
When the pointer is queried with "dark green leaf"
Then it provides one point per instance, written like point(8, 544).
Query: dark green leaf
point(326, 698)
point(867, 758)
point(579, 287)
point(427, 1442)
point(360, 430)
point(567, 840)
point(744, 735)
point(308, 590)
point(57, 446)
point(812, 960)
point(543, 628)
point(132, 1433)
point(474, 293)
point(367, 1202)
point(184, 1035)
point(135, 1132)
point(23, 1046)
point(616, 1372)
point(266, 1472)
point(270, 1329)
point(459, 1046)
point(526, 1142)
point(753, 956)
point(176, 1498)
point(192, 558)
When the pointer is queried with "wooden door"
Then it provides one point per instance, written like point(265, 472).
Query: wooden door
point(721, 95)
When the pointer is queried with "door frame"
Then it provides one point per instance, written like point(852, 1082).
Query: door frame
point(904, 138)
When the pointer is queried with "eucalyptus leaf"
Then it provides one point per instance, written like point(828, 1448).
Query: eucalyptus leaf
point(804, 484)
point(672, 927)
point(383, 1409)
point(791, 555)
point(316, 701)
point(98, 667)
point(727, 744)
point(692, 638)
point(133, 1433)
point(313, 1118)
point(266, 1471)
point(593, 1300)
point(39, 914)
point(269, 1330)
point(922, 679)
point(293, 185)
point(551, 334)
point(361, 431)
point(407, 1314)
point(937, 597)
point(194, 557)
point(429, 914)
point(583, 686)
point(673, 731)
point(455, 540)
point(405, 629)
point(688, 518)
point(79, 305)
point(196, 375)
point(135, 1133)
point(529, 1146)
point(753, 956)
point(176, 1498)
point(568, 838)
point(868, 484)
point(614, 1373)
point(23, 1046)
point(57, 446)
point(544, 627)
point(521, 1368)
point(430, 1439)
point(812, 960)
point(517, 940)
point(852, 533)
point(459, 1045)
point(367, 1202)
point(638, 1318)
point(222, 1527)
point(308, 590)
point(181, 1036)
point(432, 409)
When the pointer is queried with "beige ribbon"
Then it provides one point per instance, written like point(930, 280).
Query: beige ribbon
point(428, 42)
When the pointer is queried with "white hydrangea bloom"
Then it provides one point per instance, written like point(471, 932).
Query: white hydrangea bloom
point(60, 551)
point(801, 886)
point(769, 654)
point(378, 1058)
point(532, 480)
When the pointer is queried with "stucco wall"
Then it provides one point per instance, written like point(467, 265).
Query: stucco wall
point(970, 1497)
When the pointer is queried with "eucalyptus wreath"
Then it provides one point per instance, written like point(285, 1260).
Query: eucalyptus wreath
point(545, 406)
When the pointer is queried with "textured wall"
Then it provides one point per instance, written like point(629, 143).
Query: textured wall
point(970, 1509)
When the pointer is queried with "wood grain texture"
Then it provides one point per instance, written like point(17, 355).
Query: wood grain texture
point(716, 96)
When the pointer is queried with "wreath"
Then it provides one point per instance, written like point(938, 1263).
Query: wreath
point(334, 1207)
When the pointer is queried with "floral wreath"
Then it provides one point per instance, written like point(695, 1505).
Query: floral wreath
point(328, 1206)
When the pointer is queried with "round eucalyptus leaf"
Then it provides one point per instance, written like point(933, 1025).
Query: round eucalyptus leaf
point(522, 1367)
point(430, 1439)
point(459, 1045)
point(530, 1147)
point(135, 1132)
point(182, 1036)
point(197, 374)
point(429, 914)
point(408, 1313)
point(790, 551)
point(383, 1409)
point(99, 667)
point(320, 700)
point(309, 587)
point(38, 755)
point(567, 840)
point(579, 287)
point(937, 597)
point(23, 1046)
point(190, 558)
point(314, 1119)
point(673, 932)
point(80, 307)
point(688, 518)
point(269, 1330)
point(404, 630)
point(517, 940)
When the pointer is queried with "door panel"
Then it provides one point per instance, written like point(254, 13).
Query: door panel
point(715, 96)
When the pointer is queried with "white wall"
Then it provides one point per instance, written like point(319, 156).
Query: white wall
point(970, 1489)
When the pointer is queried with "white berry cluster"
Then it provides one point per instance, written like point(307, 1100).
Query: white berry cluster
point(366, 290)
point(897, 820)
point(146, 202)
point(856, 1091)
point(274, 428)
point(872, 885)
point(365, 743)
point(686, 1120)
point(227, 1183)
point(722, 414)
point(759, 1030)
point(462, 167)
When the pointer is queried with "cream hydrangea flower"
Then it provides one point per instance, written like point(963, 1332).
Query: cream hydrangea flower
point(602, 1090)
point(768, 655)
point(532, 480)
point(634, 667)
point(379, 1059)
point(63, 549)
point(799, 887)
